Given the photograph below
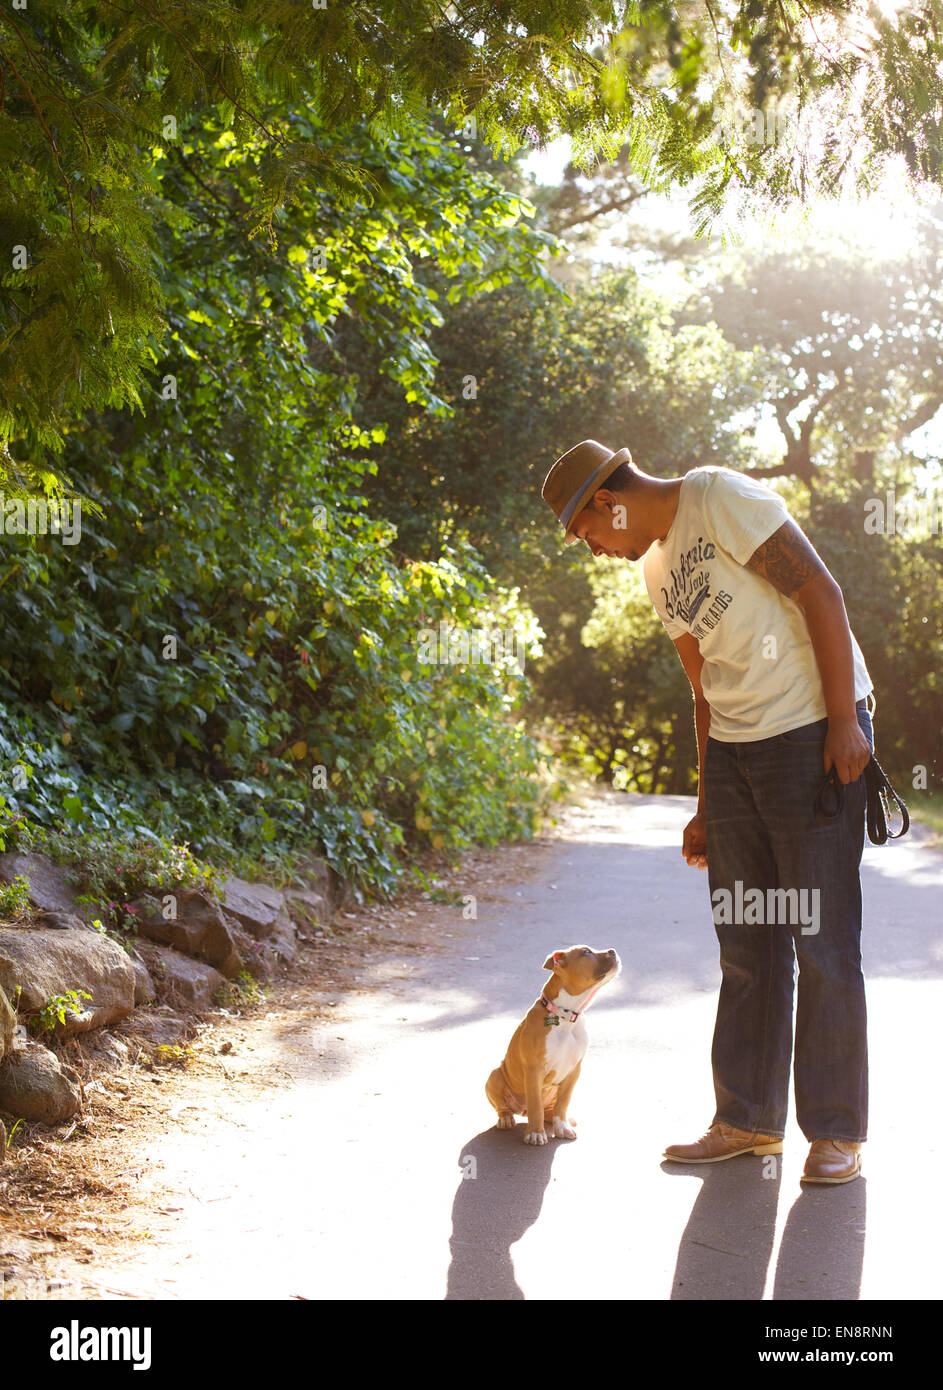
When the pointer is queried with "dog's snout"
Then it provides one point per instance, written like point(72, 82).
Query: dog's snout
point(608, 961)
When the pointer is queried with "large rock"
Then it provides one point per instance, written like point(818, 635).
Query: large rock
point(155, 1028)
point(144, 991)
point(259, 957)
point(34, 1085)
point(307, 909)
point(259, 908)
point(105, 1048)
point(199, 929)
point(49, 887)
point(47, 963)
point(181, 982)
point(284, 942)
point(262, 959)
point(7, 1024)
point(320, 878)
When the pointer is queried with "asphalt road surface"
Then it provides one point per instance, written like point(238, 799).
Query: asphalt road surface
point(373, 1169)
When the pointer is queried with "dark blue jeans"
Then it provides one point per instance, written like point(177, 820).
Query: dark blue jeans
point(765, 833)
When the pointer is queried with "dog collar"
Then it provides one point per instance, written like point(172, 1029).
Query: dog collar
point(571, 1015)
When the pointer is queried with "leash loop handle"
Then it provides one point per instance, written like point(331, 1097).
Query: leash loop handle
point(831, 799)
point(880, 792)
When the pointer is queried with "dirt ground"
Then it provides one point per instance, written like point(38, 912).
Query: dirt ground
point(67, 1193)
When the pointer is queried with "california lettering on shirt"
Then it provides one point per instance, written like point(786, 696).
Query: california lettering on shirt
point(688, 590)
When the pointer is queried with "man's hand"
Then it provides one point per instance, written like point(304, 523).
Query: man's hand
point(846, 748)
point(694, 844)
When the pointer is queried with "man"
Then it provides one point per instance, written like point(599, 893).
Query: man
point(779, 702)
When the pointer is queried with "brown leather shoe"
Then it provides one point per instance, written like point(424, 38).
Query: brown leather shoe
point(723, 1141)
point(832, 1160)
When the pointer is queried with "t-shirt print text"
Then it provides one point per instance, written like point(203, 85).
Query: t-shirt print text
point(690, 591)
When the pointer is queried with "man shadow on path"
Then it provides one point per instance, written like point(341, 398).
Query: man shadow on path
point(727, 1244)
point(724, 1253)
point(499, 1196)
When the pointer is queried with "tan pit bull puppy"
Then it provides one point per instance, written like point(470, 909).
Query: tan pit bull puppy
point(545, 1054)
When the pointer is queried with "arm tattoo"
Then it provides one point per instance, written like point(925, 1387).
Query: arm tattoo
point(787, 560)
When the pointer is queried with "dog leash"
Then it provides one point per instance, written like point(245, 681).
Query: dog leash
point(878, 789)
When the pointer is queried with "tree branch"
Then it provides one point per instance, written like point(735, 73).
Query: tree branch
point(613, 206)
point(921, 416)
point(49, 135)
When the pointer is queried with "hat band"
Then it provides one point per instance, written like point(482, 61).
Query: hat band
point(569, 511)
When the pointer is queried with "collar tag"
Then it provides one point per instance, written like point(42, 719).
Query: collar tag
point(555, 1013)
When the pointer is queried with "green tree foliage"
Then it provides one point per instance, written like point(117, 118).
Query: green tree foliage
point(846, 346)
point(546, 370)
point(641, 734)
point(892, 580)
point(840, 348)
point(610, 363)
point(246, 272)
point(93, 94)
point(233, 647)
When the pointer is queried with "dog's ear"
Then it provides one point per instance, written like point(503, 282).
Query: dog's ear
point(553, 960)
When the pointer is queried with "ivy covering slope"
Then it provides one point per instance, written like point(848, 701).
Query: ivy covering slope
point(235, 651)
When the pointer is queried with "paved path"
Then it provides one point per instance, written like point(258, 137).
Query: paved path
point(347, 1180)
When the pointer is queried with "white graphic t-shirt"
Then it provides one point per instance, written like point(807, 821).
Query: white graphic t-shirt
point(760, 676)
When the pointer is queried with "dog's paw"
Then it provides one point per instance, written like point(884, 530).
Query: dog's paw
point(505, 1120)
point(563, 1130)
point(535, 1136)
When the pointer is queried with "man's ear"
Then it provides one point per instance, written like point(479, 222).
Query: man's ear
point(553, 960)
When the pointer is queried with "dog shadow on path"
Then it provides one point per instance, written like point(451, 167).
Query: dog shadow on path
point(727, 1244)
point(500, 1193)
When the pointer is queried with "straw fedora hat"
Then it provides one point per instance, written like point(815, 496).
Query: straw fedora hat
point(571, 482)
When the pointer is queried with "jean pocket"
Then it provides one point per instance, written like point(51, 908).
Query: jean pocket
point(807, 734)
